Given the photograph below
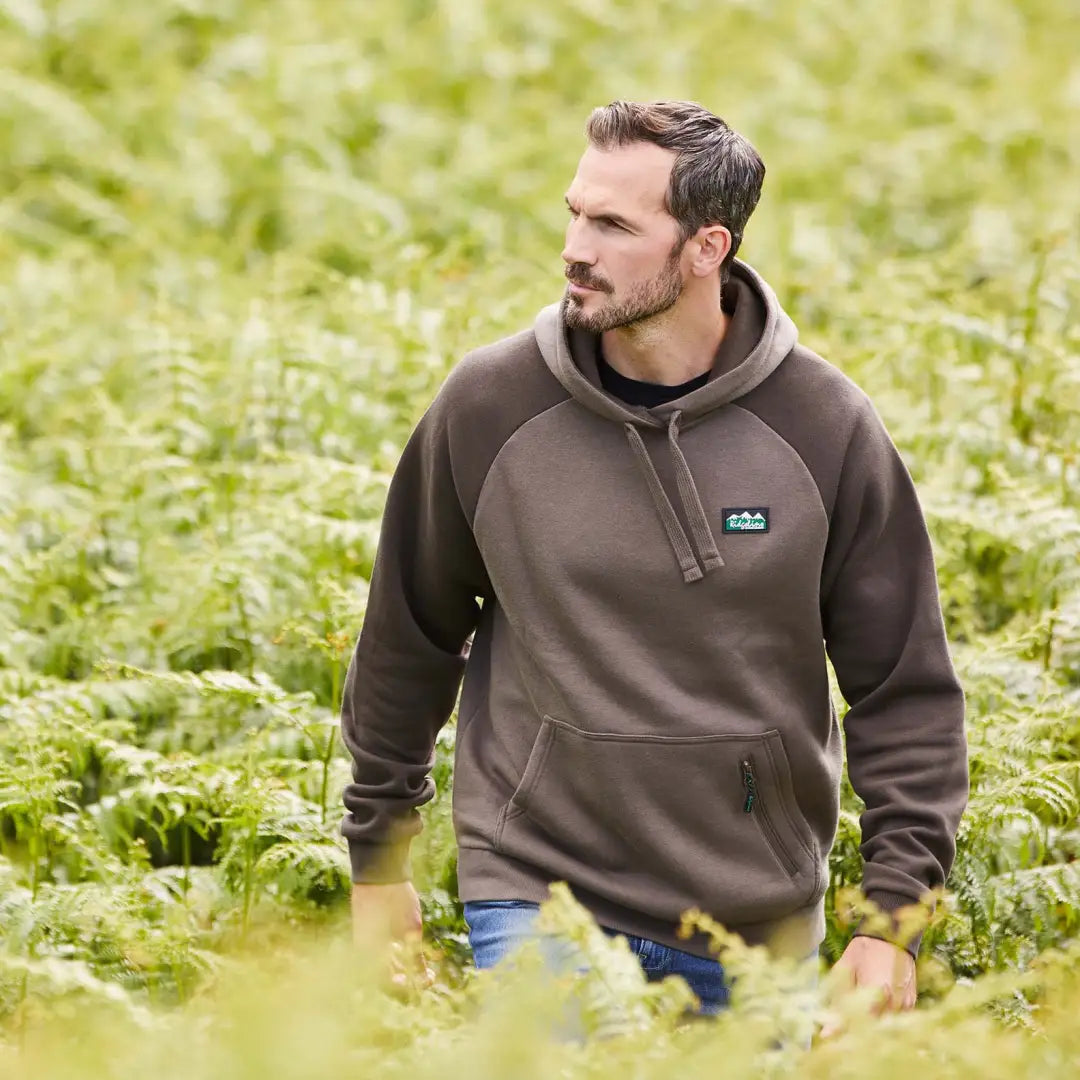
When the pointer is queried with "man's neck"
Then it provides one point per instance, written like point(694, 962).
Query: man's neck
point(670, 349)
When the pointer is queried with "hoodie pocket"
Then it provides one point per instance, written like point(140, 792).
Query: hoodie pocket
point(661, 823)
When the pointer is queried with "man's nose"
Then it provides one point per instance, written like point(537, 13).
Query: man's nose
point(576, 248)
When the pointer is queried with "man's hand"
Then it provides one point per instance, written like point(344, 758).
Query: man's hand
point(390, 914)
point(871, 963)
point(387, 912)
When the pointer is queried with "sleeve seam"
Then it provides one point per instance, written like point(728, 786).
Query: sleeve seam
point(798, 457)
point(505, 443)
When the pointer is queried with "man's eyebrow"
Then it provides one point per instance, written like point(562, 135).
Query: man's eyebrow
point(608, 217)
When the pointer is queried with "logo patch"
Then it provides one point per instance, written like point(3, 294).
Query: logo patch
point(749, 519)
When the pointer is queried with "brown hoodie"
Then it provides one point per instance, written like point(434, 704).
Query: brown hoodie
point(646, 711)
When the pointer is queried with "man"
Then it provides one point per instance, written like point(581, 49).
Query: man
point(657, 511)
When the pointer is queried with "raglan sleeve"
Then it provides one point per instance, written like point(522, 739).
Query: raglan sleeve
point(410, 655)
point(885, 635)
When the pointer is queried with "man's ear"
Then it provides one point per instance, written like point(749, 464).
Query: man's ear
point(713, 243)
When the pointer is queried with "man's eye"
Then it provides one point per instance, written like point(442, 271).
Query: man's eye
point(607, 223)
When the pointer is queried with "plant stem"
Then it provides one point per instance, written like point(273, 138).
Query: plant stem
point(327, 757)
point(185, 846)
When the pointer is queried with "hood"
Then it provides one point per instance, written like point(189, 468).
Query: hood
point(567, 354)
point(778, 337)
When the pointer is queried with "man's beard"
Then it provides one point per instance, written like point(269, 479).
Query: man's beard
point(645, 299)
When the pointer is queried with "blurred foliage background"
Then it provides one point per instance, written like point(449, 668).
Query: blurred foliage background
point(241, 245)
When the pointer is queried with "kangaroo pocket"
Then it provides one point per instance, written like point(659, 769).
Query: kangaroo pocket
point(660, 824)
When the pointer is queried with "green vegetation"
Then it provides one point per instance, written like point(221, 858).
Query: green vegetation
point(241, 245)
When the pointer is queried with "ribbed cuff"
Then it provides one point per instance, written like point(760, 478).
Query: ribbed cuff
point(379, 864)
point(887, 903)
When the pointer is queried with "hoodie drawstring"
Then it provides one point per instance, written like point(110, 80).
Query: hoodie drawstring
point(695, 512)
point(691, 500)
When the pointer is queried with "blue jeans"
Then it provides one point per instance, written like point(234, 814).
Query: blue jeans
point(497, 926)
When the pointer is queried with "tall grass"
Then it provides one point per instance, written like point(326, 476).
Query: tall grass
point(240, 247)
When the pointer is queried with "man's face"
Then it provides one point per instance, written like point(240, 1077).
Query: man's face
point(623, 249)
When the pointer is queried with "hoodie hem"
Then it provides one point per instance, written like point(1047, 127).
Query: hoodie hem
point(484, 874)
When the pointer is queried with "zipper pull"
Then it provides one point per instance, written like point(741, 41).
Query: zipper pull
point(750, 784)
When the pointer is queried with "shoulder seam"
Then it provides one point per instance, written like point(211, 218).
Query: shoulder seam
point(798, 456)
point(505, 443)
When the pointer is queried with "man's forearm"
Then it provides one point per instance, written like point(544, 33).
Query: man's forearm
point(409, 659)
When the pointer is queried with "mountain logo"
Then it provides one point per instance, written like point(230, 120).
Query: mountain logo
point(749, 519)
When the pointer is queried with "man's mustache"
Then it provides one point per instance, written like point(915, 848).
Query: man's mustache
point(578, 276)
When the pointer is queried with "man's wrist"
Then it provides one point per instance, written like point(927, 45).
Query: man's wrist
point(379, 864)
point(911, 947)
point(888, 925)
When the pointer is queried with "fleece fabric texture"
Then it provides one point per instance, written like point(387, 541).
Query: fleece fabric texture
point(640, 602)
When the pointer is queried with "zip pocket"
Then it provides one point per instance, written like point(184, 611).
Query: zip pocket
point(753, 804)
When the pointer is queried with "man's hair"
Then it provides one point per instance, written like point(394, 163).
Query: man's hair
point(717, 174)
